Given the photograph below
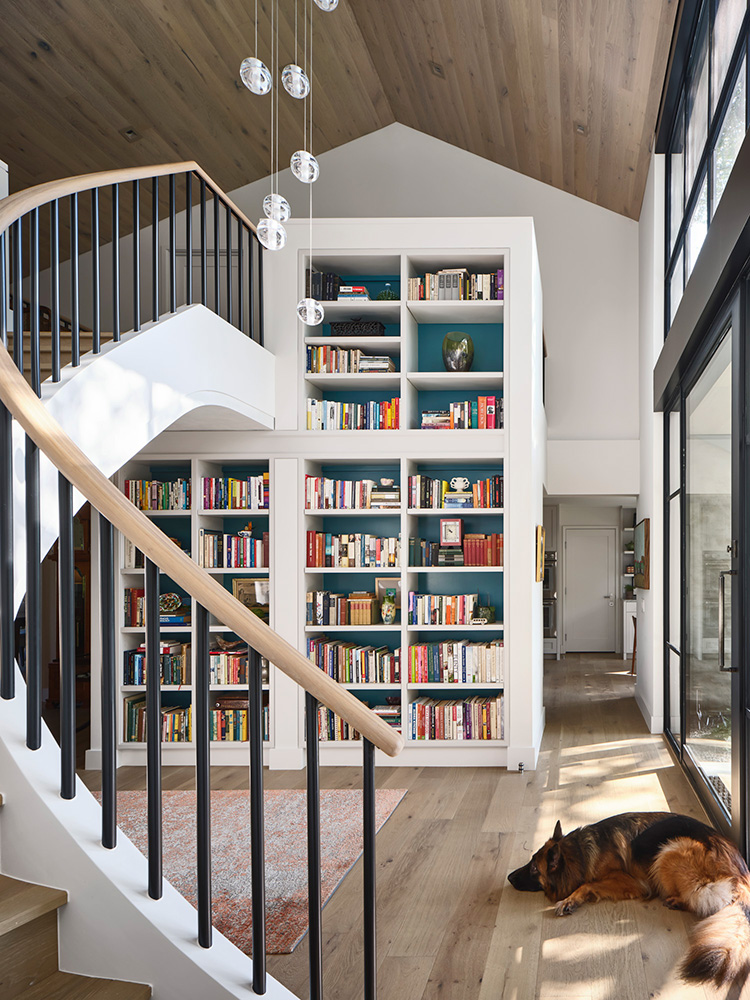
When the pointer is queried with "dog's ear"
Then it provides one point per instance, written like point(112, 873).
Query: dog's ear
point(558, 834)
point(554, 857)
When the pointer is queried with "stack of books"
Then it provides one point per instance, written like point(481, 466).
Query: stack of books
point(353, 293)
point(477, 718)
point(326, 608)
point(228, 493)
point(353, 550)
point(457, 662)
point(150, 494)
point(390, 714)
point(484, 413)
point(349, 663)
point(332, 360)
point(458, 284)
point(426, 553)
point(328, 415)
point(323, 286)
point(174, 662)
point(385, 497)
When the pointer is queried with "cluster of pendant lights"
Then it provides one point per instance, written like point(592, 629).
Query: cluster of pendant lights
point(259, 80)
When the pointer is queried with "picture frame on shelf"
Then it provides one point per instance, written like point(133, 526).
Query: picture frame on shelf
point(451, 531)
point(384, 583)
point(641, 548)
point(540, 540)
point(253, 592)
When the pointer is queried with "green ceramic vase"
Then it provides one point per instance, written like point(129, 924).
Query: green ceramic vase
point(458, 351)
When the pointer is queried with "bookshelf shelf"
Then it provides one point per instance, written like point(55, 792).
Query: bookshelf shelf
point(387, 311)
point(468, 630)
point(456, 311)
point(237, 571)
point(245, 512)
point(457, 382)
point(455, 569)
point(453, 511)
point(354, 380)
point(445, 687)
point(377, 570)
point(374, 345)
point(353, 628)
point(358, 512)
point(455, 743)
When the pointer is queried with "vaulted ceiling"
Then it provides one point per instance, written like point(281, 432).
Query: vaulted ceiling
point(565, 91)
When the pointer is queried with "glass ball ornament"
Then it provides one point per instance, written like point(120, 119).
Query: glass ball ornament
point(310, 311)
point(295, 81)
point(327, 4)
point(271, 234)
point(256, 76)
point(276, 207)
point(304, 166)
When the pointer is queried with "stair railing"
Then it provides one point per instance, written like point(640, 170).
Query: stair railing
point(21, 402)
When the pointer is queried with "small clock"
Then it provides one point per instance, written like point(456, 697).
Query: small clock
point(451, 531)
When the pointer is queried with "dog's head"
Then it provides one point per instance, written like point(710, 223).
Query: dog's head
point(542, 872)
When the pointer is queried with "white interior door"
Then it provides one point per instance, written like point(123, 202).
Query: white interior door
point(590, 590)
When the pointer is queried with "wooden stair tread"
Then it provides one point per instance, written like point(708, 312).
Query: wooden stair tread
point(67, 986)
point(21, 902)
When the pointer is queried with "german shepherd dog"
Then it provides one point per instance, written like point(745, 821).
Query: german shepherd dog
point(643, 855)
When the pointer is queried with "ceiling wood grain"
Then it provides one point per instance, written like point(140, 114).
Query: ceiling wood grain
point(565, 91)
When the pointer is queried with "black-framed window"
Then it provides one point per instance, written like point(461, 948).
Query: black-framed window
point(712, 116)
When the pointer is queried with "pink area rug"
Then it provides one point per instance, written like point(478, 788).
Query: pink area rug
point(286, 853)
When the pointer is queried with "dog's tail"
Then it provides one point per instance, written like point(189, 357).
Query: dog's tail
point(720, 945)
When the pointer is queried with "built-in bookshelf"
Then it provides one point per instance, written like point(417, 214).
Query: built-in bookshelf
point(219, 514)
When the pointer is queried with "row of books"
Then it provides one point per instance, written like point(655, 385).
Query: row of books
point(329, 415)
point(332, 728)
point(352, 550)
point(176, 721)
point(349, 663)
point(457, 662)
point(477, 718)
point(441, 609)
point(152, 494)
point(322, 285)
point(476, 550)
point(458, 283)
point(349, 494)
point(326, 608)
point(134, 610)
point(484, 413)
point(229, 493)
point(228, 721)
point(217, 550)
point(174, 662)
point(427, 493)
point(331, 359)
point(227, 667)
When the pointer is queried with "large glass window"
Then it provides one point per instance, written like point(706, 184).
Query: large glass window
point(706, 135)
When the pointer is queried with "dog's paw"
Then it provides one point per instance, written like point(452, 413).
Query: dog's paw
point(674, 903)
point(565, 907)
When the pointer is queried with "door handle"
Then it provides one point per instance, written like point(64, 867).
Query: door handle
point(607, 597)
point(722, 587)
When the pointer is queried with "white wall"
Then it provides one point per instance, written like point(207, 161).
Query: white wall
point(588, 258)
point(649, 653)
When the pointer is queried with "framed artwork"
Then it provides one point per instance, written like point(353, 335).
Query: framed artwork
point(383, 583)
point(540, 539)
point(451, 531)
point(642, 555)
point(253, 592)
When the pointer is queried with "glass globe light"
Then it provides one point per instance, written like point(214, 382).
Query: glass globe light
point(276, 207)
point(310, 311)
point(327, 4)
point(255, 75)
point(304, 166)
point(295, 81)
point(271, 234)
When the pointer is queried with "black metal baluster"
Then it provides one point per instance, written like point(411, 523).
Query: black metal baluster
point(33, 608)
point(204, 251)
point(217, 255)
point(189, 238)
point(261, 318)
point(54, 278)
point(136, 255)
point(75, 306)
point(67, 641)
point(240, 276)
point(257, 834)
point(35, 367)
point(7, 627)
point(17, 295)
point(314, 899)
point(203, 777)
point(153, 732)
point(172, 247)
point(155, 250)
point(230, 318)
point(3, 291)
point(116, 263)
point(109, 684)
point(95, 272)
point(369, 861)
point(251, 241)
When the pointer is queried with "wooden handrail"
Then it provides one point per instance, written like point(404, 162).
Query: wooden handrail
point(15, 206)
point(66, 456)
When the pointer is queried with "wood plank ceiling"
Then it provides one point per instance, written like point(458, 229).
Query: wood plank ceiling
point(565, 91)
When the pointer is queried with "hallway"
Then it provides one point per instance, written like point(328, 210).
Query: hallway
point(450, 925)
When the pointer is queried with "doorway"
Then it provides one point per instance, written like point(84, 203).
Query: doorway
point(590, 590)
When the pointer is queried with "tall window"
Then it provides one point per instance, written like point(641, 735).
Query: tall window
point(709, 126)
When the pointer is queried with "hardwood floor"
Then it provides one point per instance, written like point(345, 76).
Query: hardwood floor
point(449, 924)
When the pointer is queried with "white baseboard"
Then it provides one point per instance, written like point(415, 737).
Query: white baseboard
point(528, 756)
point(655, 723)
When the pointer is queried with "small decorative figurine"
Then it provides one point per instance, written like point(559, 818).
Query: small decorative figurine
point(388, 607)
point(459, 484)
